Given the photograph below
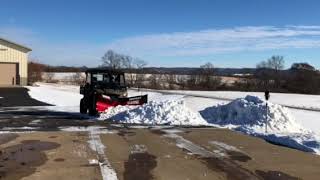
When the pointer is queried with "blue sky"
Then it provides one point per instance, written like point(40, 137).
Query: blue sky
point(228, 33)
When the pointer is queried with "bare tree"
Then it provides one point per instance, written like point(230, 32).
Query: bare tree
point(35, 71)
point(115, 60)
point(128, 63)
point(207, 80)
point(77, 78)
point(154, 81)
point(262, 65)
point(172, 81)
point(182, 81)
point(192, 81)
point(207, 68)
point(112, 59)
point(50, 77)
point(270, 72)
point(140, 64)
point(275, 63)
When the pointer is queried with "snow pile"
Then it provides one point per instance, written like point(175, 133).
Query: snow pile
point(112, 111)
point(165, 112)
point(308, 141)
point(250, 114)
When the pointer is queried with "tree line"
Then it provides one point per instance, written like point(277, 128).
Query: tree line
point(268, 75)
point(271, 75)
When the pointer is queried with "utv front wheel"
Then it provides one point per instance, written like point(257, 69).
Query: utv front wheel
point(83, 107)
point(93, 112)
point(92, 109)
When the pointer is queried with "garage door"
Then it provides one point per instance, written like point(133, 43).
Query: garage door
point(8, 73)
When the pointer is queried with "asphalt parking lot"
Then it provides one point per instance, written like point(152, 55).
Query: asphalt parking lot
point(36, 143)
point(133, 152)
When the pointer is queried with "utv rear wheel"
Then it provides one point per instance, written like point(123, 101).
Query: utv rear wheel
point(83, 107)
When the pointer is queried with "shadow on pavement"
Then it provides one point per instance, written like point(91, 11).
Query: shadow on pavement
point(44, 120)
point(39, 114)
point(17, 105)
point(17, 96)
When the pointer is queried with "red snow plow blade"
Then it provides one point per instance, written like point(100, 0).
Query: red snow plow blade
point(105, 102)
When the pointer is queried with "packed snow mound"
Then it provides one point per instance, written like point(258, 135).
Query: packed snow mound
point(165, 112)
point(112, 111)
point(250, 113)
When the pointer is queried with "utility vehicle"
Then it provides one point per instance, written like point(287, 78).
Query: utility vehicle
point(105, 88)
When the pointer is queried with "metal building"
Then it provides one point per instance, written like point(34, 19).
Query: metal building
point(13, 63)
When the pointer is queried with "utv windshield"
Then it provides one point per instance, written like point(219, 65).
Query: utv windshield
point(108, 79)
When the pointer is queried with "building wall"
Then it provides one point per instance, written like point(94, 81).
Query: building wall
point(14, 54)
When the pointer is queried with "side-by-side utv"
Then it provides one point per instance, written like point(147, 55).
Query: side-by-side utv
point(105, 88)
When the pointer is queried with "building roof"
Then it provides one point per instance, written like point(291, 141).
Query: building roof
point(16, 44)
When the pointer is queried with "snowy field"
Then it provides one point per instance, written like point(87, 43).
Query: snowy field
point(294, 100)
point(289, 127)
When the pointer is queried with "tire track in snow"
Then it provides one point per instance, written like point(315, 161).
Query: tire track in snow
point(105, 167)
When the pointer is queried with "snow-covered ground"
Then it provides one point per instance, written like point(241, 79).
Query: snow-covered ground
point(290, 127)
point(309, 119)
point(294, 100)
point(63, 97)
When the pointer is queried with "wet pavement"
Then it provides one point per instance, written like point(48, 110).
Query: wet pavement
point(38, 156)
point(175, 160)
point(149, 153)
point(139, 166)
point(36, 143)
point(24, 158)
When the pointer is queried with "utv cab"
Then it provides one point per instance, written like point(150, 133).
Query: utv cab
point(105, 88)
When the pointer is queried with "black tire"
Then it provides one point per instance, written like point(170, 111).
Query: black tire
point(83, 107)
point(92, 107)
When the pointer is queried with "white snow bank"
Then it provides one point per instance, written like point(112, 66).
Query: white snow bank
point(113, 111)
point(166, 112)
point(308, 142)
point(248, 115)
